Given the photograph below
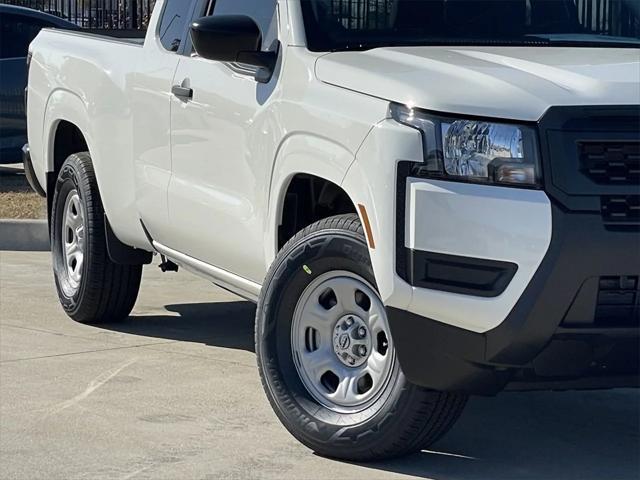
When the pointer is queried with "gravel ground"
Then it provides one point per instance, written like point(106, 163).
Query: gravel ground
point(17, 200)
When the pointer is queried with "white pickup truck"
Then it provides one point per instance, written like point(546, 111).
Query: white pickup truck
point(426, 199)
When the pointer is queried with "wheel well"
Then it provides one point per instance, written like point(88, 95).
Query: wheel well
point(309, 199)
point(68, 140)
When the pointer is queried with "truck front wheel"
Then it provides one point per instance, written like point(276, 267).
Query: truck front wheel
point(91, 287)
point(326, 356)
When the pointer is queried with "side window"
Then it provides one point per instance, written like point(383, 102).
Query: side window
point(173, 23)
point(16, 33)
point(262, 11)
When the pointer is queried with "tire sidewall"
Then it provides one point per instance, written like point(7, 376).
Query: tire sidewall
point(69, 179)
point(311, 422)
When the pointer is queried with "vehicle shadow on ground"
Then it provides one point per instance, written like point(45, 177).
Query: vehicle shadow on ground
point(219, 324)
point(529, 436)
point(536, 436)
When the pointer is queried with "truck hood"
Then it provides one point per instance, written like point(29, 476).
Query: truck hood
point(518, 83)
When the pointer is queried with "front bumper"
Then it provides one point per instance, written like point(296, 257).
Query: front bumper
point(560, 334)
point(574, 320)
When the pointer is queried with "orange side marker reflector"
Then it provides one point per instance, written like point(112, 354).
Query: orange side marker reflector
point(367, 226)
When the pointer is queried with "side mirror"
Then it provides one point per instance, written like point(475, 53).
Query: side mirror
point(235, 39)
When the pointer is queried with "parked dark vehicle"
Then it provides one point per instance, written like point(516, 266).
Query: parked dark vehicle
point(18, 27)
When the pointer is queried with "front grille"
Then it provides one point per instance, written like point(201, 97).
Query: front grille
point(618, 302)
point(621, 210)
point(610, 163)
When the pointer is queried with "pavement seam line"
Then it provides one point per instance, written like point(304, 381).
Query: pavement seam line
point(146, 346)
point(80, 337)
point(124, 347)
point(191, 355)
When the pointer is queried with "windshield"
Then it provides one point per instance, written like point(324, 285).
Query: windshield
point(362, 24)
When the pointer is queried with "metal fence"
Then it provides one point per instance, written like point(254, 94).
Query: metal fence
point(96, 14)
point(612, 17)
point(603, 16)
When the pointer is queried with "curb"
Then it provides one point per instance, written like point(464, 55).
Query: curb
point(24, 235)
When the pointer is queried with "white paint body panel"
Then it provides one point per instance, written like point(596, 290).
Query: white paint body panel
point(492, 223)
point(518, 83)
point(208, 178)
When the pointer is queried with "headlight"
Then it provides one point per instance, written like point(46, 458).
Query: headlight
point(474, 150)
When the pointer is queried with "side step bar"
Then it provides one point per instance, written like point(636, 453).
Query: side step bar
point(246, 289)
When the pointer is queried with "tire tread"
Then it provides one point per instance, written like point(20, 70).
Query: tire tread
point(425, 415)
point(111, 290)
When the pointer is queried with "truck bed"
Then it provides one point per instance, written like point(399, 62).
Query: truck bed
point(104, 35)
point(88, 78)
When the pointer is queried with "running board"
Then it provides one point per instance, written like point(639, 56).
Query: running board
point(227, 280)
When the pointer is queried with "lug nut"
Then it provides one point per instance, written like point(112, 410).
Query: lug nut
point(352, 361)
point(349, 321)
point(362, 332)
point(362, 350)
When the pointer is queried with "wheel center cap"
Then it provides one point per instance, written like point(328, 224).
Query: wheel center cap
point(352, 341)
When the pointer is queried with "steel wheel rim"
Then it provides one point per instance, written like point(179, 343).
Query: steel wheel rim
point(73, 241)
point(321, 353)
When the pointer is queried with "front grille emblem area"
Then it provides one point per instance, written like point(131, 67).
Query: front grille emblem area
point(621, 210)
point(611, 163)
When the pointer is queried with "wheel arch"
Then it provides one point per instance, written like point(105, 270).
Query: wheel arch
point(70, 126)
point(66, 131)
point(301, 158)
point(67, 127)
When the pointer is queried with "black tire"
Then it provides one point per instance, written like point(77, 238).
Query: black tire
point(106, 291)
point(405, 419)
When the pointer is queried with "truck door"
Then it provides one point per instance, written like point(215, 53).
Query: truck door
point(151, 112)
point(222, 149)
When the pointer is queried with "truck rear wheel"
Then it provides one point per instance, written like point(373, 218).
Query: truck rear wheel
point(327, 358)
point(91, 287)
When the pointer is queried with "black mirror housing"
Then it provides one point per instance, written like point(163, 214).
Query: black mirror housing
point(233, 38)
point(223, 37)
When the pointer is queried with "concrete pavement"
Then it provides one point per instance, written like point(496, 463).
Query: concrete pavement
point(173, 393)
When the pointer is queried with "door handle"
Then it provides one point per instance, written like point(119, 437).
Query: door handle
point(181, 92)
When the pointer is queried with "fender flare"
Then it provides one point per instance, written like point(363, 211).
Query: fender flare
point(64, 105)
point(301, 153)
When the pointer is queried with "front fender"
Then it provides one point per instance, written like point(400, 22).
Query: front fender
point(301, 153)
point(371, 181)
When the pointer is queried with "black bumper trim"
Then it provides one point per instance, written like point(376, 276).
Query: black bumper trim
point(444, 357)
point(457, 274)
point(447, 358)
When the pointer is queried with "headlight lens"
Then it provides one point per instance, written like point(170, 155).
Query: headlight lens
point(474, 150)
